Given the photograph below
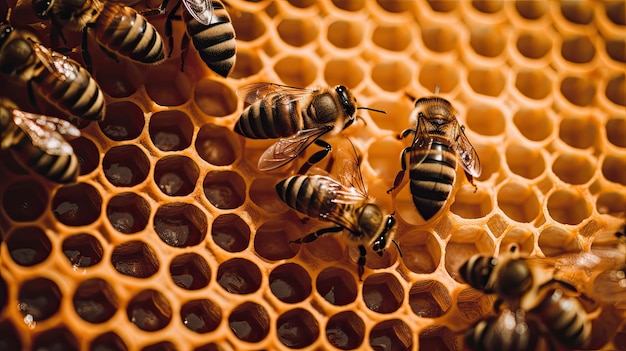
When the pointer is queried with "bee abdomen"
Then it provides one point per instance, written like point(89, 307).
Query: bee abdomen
point(489, 335)
point(432, 179)
point(565, 318)
point(58, 168)
point(299, 193)
point(123, 30)
point(269, 119)
point(216, 42)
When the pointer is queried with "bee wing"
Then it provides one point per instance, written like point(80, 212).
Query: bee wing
point(350, 167)
point(254, 92)
point(287, 149)
point(61, 66)
point(46, 132)
point(610, 287)
point(201, 10)
point(421, 141)
point(335, 192)
point(466, 152)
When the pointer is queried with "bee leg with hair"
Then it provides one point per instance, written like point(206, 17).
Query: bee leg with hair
point(184, 48)
point(400, 175)
point(316, 157)
point(312, 236)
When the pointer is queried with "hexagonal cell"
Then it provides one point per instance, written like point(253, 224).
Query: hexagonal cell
point(201, 316)
point(429, 299)
point(290, 283)
point(378, 156)
point(123, 81)
point(176, 175)
point(4, 294)
point(297, 328)
point(421, 252)
point(489, 82)
point(568, 206)
point(272, 240)
point(336, 286)
point(524, 161)
point(616, 131)
point(128, 212)
point(59, 338)
point(9, 338)
point(616, 49)
point(445, 76)
point(344, 71)
point(574, 169)
point(533, 45)
point(218, 145)
point(298, 31)
point(485, 119)
point(578, 90)
point(249, 322)
point(77, 205)
point(488, 41)
point(488, 6)
point(248, 26)
point(166, 85)
point(382, 293)
point(579, 132)
point(263, 194)
point(523, 238)
point(402, 36)
point(149, 310)
point(555, 241)
point(224, 189)
point(123, 121)
point(472, 204)
point(351, 6)
point(38, 299)
point(518, 202)
point(108, 342)
point(190, 271)
point(215, 98)
point(345, 34)
point(438, 338)
point(466, 241)
point(533, 84)
point(531, 10)
point(230, 232)
point(211, 346)
point(248, 64)
point(578, 13)
point(82, 250)
point(392, 75)
point(615, 12)
point(613, 203)
point(295, 70)
point(578, 49)
point(87, 153)
point(393, 108)
point(345, 330)
point(534, 124)
point(180, 224)
point(239, 276)
point(95, 300)
point(28, 246)
point(125, 165)
point(615, 89)
point(170, 130)
point(160, 346)
point(473, 304)
point(391, 335)
point(394, 6)
point(135, 259)
point(25, 201)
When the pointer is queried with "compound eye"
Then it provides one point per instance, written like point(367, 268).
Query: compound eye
point(344, 98)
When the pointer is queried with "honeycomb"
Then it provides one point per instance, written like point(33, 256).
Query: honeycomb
point(173, 240)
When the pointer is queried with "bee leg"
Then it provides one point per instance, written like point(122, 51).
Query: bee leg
point(316, 157)
point(361, 262)
point(84, 50)
point(400, 175)
point(168, 26)
point(31, 96)
point(312, 236)
point(470, 178)
point(184, 48)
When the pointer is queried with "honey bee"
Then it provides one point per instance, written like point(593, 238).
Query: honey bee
point(299, 117)
point(211, 32)
point(508, 331)
point(36, 142)
point(60, 80)
point(438, 142)
point(522, 283)
point(344, 202)
point(117, 28)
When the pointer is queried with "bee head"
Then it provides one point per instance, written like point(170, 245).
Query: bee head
point(5, 32)
point(514, 278)
point(436, 110)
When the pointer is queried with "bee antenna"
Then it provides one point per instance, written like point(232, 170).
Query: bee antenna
point(397, 246)
point(362, 119)
point(371, 109)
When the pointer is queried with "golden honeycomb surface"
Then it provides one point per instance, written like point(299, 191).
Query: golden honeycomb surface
point(172, 239)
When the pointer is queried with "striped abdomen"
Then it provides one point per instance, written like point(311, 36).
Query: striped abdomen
point(433, 178)
point(269, 118)
point(80, 96)
point(57, 168)
point(566, 319)
point(216, 42)
point(122, 30)
point(303, 194)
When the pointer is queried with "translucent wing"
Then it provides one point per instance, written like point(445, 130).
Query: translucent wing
point(201, 10)
point(333, 191)
point(466, 153)
point(287, 149)
point(421, 141)
point(254, 92)
point(349, 169)
point(63, 67)
point(46, 132)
